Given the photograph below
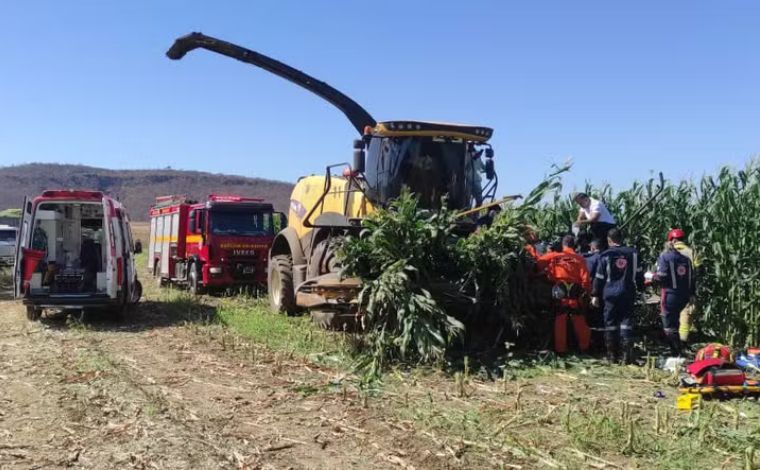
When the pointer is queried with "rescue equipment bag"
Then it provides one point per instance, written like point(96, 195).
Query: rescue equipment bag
point(715, 351)
point(715, 371)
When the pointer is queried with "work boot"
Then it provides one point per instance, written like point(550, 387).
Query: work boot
point(610, 341)
point(674, 342)
point(627, 352)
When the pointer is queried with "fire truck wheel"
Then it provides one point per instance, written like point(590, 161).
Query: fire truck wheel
point(194, 282)
point(282, 297)
point(33, 313)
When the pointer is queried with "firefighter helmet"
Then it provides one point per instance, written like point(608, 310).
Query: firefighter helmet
point(676, 233)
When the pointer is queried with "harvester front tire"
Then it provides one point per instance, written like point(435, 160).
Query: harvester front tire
point(282, 296)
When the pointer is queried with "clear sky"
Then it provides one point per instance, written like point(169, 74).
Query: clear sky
point(622, 88)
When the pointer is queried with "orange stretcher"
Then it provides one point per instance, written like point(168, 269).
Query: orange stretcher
point(750, 388)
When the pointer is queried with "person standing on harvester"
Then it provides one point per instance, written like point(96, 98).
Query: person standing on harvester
point(616, 280)
point(675, 274)
point(594, 213)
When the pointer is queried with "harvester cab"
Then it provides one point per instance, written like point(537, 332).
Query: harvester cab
point(429, 159)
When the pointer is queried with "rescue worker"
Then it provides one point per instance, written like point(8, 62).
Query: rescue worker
point(594, 315)
point(675, 274)
point(530, 241)
point(594, 213)
point(616, 280)
point(39, 238)
point(567, 272)
point(592, 256)
point(676, 237)
point(40, 243)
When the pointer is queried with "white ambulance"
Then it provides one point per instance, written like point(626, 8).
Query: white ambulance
point(75, 251)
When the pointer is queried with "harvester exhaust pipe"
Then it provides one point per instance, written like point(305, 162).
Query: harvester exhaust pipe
point(358, 116)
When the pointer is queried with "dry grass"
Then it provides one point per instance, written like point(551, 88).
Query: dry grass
point(586, 416)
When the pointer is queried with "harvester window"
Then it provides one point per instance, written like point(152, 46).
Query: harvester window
point(430, 168)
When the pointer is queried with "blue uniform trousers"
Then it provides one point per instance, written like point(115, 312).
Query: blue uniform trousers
point(618, 315)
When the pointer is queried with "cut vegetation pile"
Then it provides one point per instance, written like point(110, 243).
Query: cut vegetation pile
point(425, 287)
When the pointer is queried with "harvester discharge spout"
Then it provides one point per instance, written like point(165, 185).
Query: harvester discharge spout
point(358, 116)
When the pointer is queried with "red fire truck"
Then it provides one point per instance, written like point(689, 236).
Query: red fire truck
point(217, 244)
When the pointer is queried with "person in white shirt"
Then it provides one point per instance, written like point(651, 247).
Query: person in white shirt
point(478, 168)
point(595, 214)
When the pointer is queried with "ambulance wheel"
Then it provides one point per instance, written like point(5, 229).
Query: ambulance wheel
point(137, 292)
point(193, 280)
point(282, 297)
point(33, 313)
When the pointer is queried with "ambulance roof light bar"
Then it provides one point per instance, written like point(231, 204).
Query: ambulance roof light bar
point(72, 194)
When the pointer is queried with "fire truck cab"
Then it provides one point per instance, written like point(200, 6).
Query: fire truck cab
point(75, 251)
point(217, 244)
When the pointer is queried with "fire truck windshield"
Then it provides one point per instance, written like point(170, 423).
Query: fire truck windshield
point(240, 223)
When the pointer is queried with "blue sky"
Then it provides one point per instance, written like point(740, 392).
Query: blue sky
point(622, 88)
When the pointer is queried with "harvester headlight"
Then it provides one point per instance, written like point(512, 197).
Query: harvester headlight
point(215, 270)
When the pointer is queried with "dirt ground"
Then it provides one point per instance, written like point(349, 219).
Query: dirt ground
point(164, 389)
point(152, 392)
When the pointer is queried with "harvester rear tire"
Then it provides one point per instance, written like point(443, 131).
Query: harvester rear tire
point(282, 296)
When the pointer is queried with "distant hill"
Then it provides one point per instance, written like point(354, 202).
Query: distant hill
point(137, 189)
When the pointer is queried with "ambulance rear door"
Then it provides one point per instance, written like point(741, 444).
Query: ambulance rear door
point(110, 234)
point(23, 240)
point(128, 253)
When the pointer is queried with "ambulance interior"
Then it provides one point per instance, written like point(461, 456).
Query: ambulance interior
point(72, 236)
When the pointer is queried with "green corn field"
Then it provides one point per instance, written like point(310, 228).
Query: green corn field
point(721, 216)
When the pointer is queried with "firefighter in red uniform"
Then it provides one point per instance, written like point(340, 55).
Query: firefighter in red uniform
point(568, 273)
